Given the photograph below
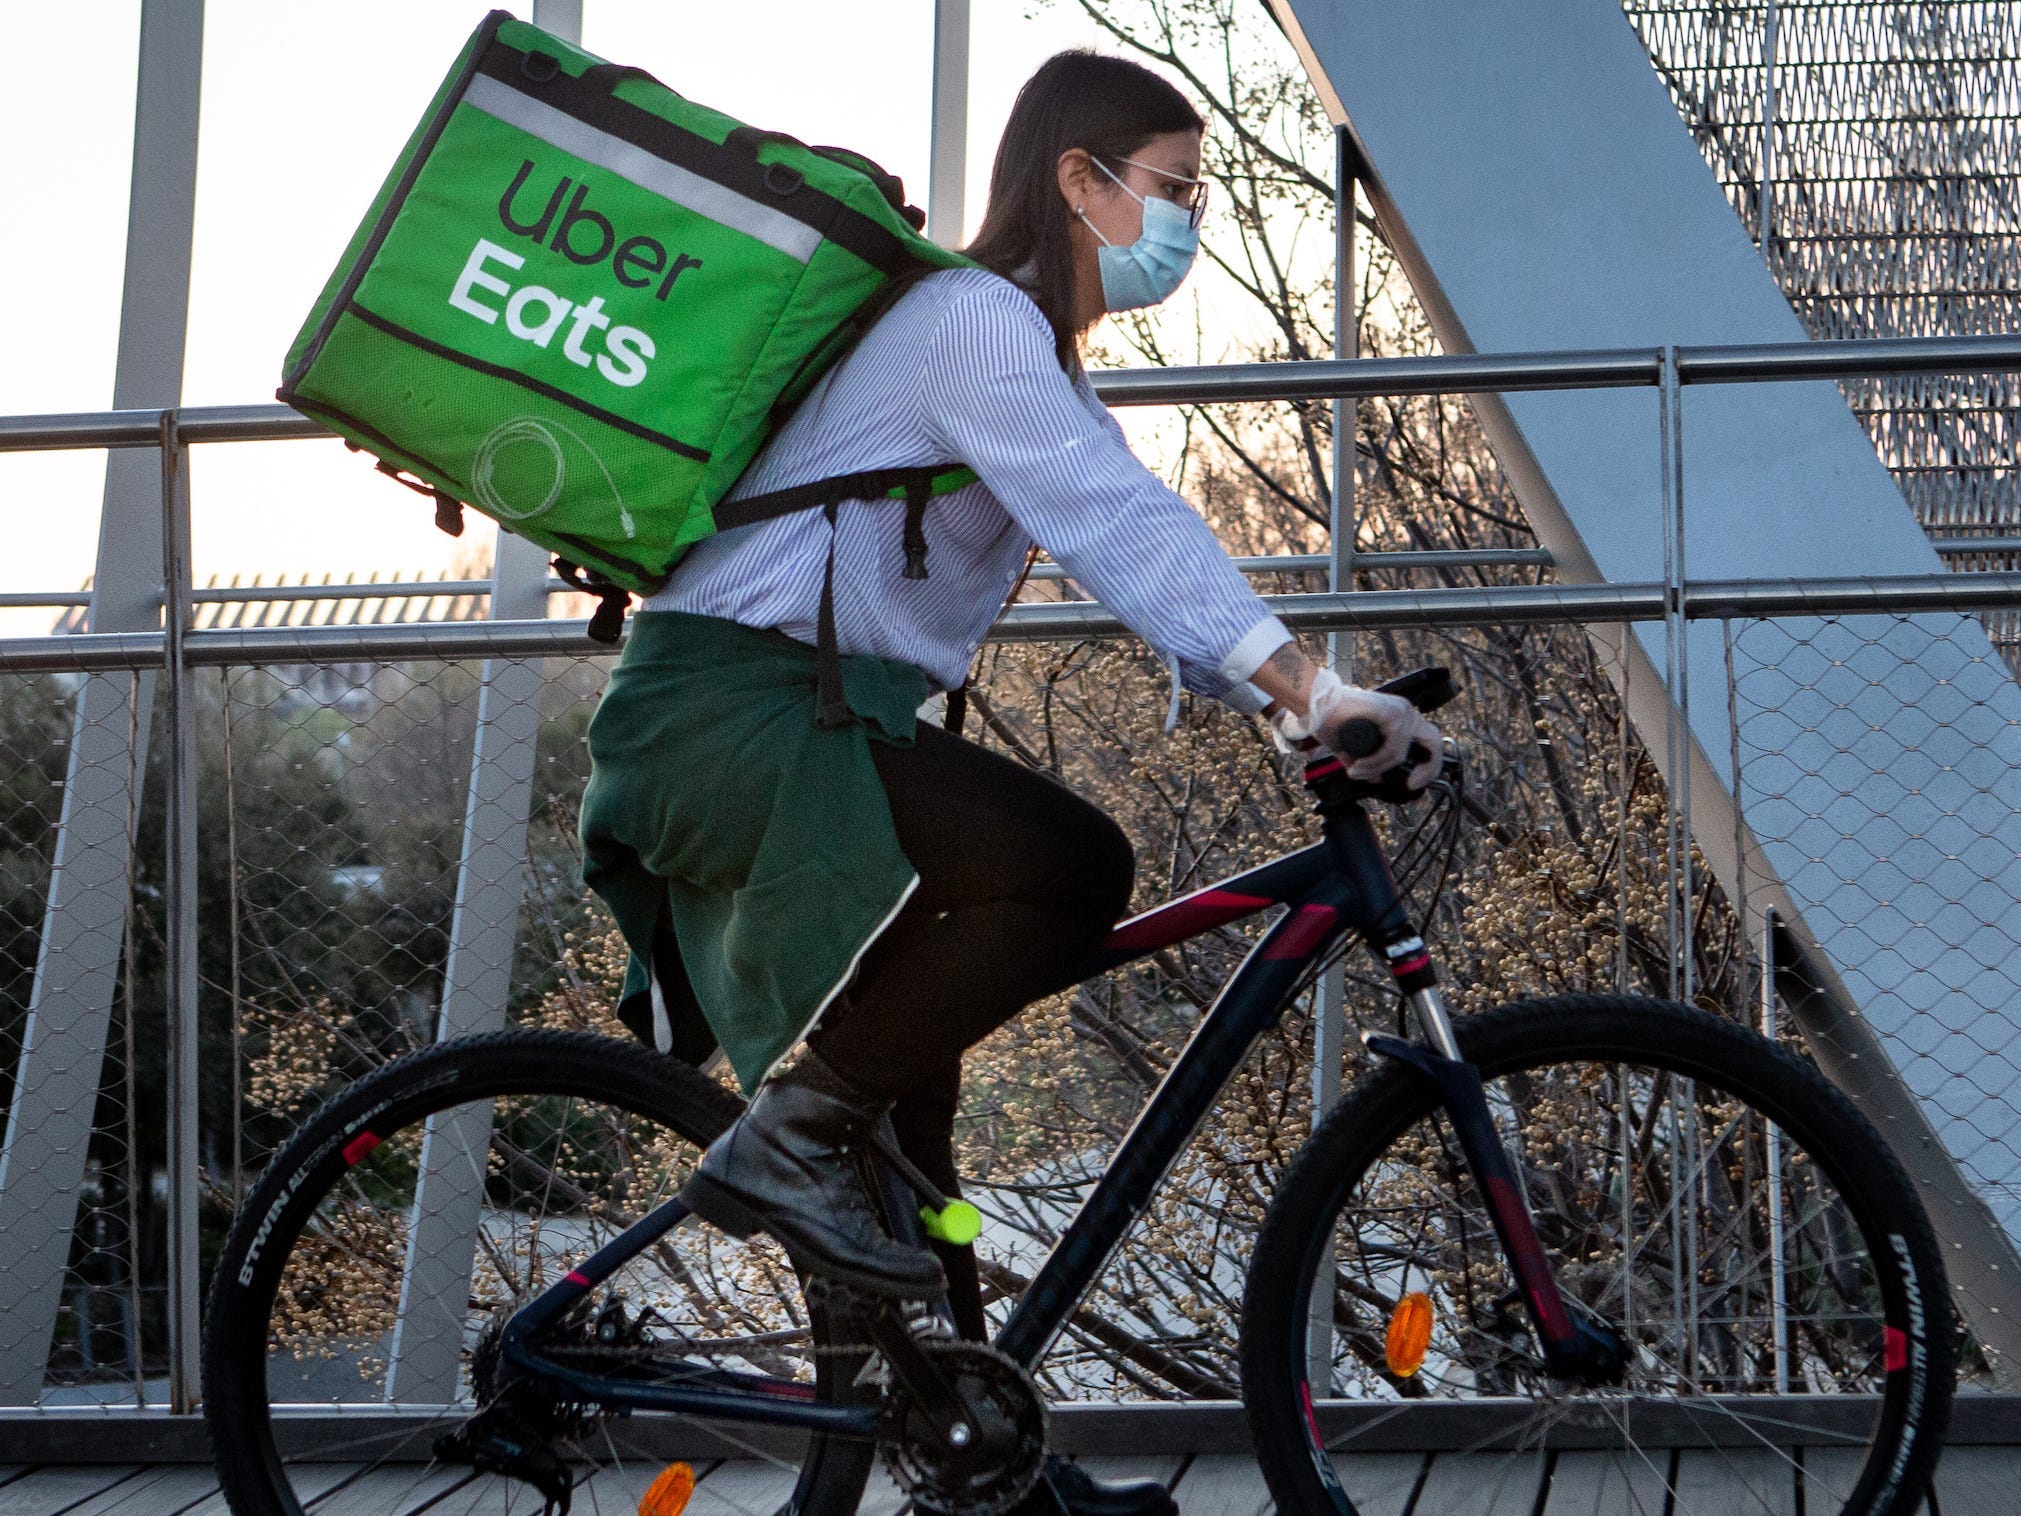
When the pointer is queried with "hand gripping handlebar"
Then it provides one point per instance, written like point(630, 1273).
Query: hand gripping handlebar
point(1426, 688)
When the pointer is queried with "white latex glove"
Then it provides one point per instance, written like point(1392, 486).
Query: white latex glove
point(1332, 703)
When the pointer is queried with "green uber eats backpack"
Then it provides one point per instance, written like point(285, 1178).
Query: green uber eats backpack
point(581, 303)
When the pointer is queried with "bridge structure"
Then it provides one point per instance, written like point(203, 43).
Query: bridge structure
point(1681, 447)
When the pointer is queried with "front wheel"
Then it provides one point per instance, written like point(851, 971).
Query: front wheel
point(355, 1311)
point(1710, 1196)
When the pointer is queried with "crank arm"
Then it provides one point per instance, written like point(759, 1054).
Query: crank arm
point(938, 1400)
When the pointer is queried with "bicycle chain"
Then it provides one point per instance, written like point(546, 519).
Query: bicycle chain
point(979, 1481)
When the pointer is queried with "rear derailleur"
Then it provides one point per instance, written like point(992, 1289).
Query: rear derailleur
point(496, 1441)
point(515, 1432)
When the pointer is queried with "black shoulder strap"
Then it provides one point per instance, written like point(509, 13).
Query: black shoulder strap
point(831, 706)
point(867, 484)
point(917, 493)
point(916, 485)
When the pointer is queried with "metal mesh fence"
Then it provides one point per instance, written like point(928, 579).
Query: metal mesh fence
point(345, 792)
point(82, 1080)
point(1906, 835)
point(1882, 179)
point(334, 803)
point(338, 838)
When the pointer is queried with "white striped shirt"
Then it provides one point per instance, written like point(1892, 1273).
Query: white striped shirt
point(963, 370)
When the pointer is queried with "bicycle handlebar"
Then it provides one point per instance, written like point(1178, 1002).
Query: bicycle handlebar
point(1426, 688)
point(1359, 737)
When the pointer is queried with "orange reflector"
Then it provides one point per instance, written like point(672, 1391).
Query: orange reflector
point(668, 1495)
point(1410, 1332)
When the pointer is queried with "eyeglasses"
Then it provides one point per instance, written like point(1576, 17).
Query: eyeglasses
point(1194, 203)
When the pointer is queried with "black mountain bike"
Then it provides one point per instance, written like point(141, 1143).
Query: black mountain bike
point(1620, 1235)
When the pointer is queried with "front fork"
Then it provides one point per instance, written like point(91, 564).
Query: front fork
point(1574, 1348)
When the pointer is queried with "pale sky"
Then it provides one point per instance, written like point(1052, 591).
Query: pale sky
point(304, 107)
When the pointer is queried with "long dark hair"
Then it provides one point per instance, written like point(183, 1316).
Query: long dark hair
point(1109, 108)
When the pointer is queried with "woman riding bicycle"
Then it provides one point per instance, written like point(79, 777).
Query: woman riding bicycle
point(882, 889)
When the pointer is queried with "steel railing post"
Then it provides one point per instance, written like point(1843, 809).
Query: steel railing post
point(424, 1360)
point(1329, 1019)
point(183, 984)
point(1677, 678)
point(947, 171)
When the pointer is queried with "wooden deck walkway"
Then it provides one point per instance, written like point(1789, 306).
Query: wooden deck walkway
point(1973, 1481)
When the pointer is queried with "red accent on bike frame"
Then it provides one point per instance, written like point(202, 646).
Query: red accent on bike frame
point(1185, 917)
point(358, 1147)
point(1410, 965)
point(1303, 932)
point(577, 1276)
point(1894, 1349)
point(1527, 1255)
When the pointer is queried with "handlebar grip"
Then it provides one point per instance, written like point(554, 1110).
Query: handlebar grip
point(1359, 737)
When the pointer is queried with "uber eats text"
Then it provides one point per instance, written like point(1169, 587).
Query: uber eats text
point(533, 313)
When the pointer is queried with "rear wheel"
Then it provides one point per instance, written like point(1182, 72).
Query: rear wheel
point(1712, 1197)
point(354, 1311)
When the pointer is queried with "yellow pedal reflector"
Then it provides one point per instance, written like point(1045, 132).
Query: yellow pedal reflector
point(1410, 1333)
point(668, 1494)
point(960, 1223)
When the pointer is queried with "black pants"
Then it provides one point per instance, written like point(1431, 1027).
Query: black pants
point(1019, 878)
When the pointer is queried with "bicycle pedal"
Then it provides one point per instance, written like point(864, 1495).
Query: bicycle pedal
point(927, 1322)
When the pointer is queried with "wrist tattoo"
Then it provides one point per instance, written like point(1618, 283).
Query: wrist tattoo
point(1290, 661)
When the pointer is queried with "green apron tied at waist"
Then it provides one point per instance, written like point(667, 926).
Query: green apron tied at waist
point(716, 804)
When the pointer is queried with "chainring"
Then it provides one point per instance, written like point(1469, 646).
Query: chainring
point(1006, 1454)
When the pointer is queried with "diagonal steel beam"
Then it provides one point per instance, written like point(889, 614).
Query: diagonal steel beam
point(77, 967)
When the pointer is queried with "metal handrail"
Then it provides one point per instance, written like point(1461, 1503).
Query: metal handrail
point(1053, 621)
point(1287, 563)
point(1959, 547)
point(432, 589)
point(1314, 379)
point(1466, 373)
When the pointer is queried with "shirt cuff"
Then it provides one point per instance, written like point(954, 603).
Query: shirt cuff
point(1255, 648)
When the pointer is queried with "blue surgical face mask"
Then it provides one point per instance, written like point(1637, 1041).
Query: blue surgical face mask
point(1151, 268)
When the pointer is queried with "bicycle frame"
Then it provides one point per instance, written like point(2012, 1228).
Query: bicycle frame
point(1337, 885)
